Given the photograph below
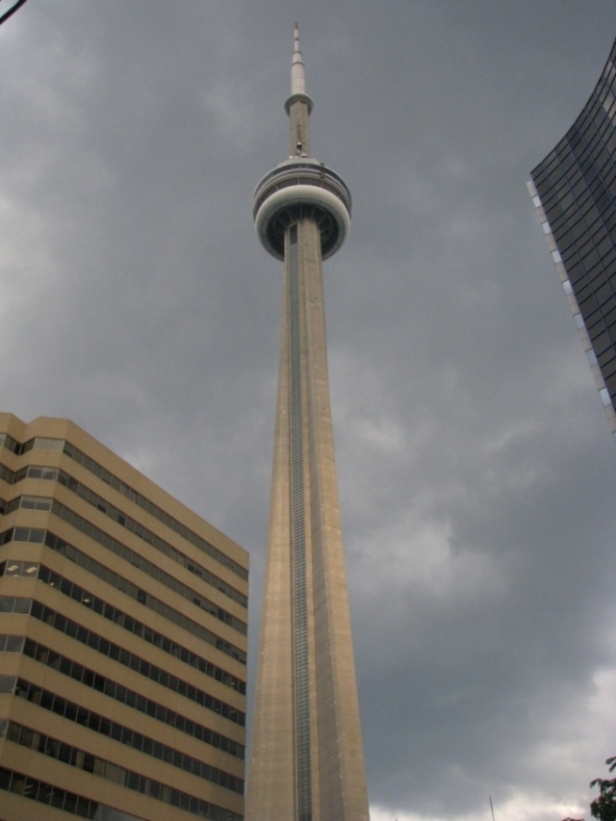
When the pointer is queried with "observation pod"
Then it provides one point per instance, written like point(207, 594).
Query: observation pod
point(298, 188)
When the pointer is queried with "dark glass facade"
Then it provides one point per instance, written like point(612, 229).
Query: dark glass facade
point(574, 192)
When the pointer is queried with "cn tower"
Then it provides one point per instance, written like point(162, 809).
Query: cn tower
point(306, 757)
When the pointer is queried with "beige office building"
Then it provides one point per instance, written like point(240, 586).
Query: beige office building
point(122, 640)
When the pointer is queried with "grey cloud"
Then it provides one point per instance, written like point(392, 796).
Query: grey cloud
point(476, 468)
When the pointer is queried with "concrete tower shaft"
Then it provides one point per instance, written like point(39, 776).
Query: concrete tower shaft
point(306, 759)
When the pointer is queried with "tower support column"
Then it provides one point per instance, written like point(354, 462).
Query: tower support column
point(306, 706)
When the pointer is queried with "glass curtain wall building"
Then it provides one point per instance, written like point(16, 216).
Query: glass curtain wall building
point(574, 193)
point(122, 640)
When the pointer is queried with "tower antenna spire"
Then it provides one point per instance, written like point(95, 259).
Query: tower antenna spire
point(298, 70)
point(299, 104)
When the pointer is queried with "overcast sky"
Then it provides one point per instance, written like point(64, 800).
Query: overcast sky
point(477, 470)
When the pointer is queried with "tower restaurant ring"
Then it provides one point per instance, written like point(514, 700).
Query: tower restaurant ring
point(300, 188)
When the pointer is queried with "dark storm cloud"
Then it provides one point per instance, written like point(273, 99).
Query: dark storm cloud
point(476, 468)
